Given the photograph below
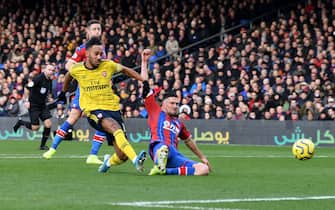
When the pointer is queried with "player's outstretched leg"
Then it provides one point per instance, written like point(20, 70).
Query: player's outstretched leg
point(98, 139)
point(139, 162)
point(128, 150)
point(181, 171)
point(116, 160)
point(156, 171)
point(48, 154)
point(113, 160)
point(105, 165)
point(60, 135)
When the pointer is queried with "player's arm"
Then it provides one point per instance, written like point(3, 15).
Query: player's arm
point(186, 136)
point(70, 63)
point(131, 73)
point(62, 95)
point(117, 78)
point(77, 56)
point(67, 80)
point(144, 63)
point(148, 95)
point(195, 149)
point(144, 72)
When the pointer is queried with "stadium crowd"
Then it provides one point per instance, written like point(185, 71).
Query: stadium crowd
point(281, 69)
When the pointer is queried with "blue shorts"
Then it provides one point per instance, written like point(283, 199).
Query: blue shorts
point(175, 158)
point(96, 117)
point(75, 101)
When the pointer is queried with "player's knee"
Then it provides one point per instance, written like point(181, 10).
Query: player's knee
point(114, 127)
point(35, 127)
point(47, 123)
point(201, 169)
point(124, 158)
point(74, 116)
point(110, 125)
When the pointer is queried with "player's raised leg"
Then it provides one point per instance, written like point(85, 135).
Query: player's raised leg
point(110, 161)
point(116, 159)
point(161, 153)
point(126, 148)
point(177, 164)
point(108, 122)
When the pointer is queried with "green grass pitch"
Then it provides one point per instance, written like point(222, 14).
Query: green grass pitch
point(243, 177)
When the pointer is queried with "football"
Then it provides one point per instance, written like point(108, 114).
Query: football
point(303, 149)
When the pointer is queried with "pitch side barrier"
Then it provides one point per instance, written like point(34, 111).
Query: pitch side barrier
point(251, 132)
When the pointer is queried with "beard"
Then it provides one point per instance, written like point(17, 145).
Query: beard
point(175, 114)
point(94, 64)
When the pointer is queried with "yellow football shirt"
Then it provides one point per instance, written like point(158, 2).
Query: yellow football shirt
point(95, 86)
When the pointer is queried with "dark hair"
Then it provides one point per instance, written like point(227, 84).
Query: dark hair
point(93, 41)
point(91, 22)
point(170, 94)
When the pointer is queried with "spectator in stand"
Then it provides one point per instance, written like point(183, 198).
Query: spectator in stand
point(219, 113)
point(172, 45)
point(12, 107)
point(289, 57)
point(24, 105)
point(16, 56)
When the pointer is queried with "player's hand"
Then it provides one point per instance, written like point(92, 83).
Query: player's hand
point(146, 55)
point(61, 97)
point(205, 161)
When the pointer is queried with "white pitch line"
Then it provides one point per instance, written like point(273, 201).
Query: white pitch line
point(232, 200)
point(185, 207)
point(32, 156)
point(266, 156)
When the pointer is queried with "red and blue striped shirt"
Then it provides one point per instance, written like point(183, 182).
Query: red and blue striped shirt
point(80, 54)
point(164, 128)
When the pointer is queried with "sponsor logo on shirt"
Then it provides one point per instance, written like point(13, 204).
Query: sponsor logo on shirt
point(171, 127)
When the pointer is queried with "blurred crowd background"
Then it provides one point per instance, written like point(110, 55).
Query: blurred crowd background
point(230, 60)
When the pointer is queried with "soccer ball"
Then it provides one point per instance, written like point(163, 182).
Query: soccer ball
point(303, 149)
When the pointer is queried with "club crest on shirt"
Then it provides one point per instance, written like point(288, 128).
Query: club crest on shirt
point(99, 115)
point(74, 56)
point(104, 74)
point(43, 90)
point(171, 127)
